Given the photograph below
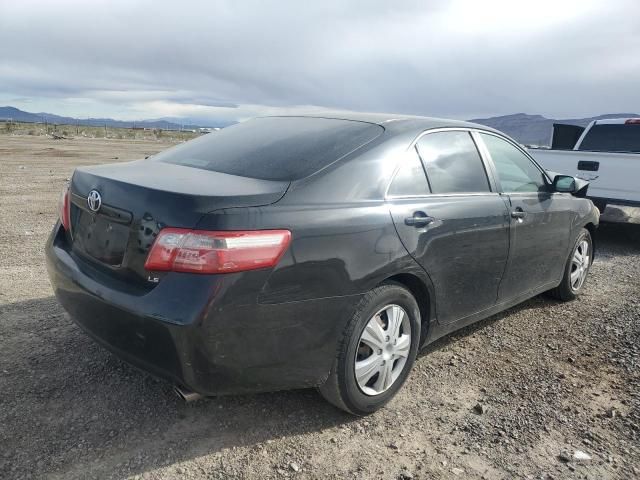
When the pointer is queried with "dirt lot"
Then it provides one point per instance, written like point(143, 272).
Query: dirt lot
point(549, 378)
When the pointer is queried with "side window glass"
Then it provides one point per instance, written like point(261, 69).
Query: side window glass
point(517, 173)
point(410, 179)
point(453, 163)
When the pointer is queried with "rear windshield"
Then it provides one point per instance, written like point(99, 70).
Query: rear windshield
point(612, 138)
point(273, 148)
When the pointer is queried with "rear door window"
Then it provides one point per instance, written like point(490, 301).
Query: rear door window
point(516, 171)
point(453, 163)
point(273, 148)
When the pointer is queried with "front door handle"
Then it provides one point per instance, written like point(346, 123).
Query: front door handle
point(419, 219)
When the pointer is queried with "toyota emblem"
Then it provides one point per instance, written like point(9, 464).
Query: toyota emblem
point(94, 200)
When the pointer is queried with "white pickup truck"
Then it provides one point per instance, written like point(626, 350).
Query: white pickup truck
point(607, 154)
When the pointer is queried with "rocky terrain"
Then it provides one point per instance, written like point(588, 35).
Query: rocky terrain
point(544, 391)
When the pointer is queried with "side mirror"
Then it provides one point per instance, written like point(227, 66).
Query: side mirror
point(564, 183)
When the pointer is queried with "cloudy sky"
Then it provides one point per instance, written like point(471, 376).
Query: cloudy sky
point(136, 59)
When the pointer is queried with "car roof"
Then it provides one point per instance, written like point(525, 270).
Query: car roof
point(395, 123)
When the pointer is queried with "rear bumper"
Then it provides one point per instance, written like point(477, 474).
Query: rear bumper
point(207, 333)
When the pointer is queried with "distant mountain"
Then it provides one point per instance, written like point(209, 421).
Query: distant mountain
point(526, 129)
point(536, 129)
point(15, 114)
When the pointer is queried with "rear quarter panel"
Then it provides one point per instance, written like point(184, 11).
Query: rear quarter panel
point(343, 238)
point(300, 308)
point(335, 250)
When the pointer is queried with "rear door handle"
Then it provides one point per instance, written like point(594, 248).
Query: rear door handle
point(518, 213)
point(419, 219)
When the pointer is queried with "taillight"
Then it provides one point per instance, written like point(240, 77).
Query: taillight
point(64, 207)
point(632, 121)
point(201, 251)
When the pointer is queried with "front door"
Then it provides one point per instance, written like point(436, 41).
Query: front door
point(540, 220)
point(452, 222)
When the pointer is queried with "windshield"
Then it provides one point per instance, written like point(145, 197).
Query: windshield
point(273, 148)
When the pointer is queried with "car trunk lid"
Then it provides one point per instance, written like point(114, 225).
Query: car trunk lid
point(139, 198)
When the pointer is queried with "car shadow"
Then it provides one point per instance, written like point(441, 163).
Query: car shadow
point(75, 406)
point(67, 403)
point(68, 407)
point(614, 239)
point(453, 337)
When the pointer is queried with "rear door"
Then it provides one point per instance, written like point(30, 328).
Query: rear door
point(540, 219)
point(452, 221)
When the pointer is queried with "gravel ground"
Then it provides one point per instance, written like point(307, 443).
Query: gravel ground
point(516, 396)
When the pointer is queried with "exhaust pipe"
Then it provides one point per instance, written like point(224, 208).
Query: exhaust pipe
point(187, 395)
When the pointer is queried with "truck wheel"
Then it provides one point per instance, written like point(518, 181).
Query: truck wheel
point(377, 351)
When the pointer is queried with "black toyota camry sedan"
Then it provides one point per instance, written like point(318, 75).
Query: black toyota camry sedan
point(291, 252)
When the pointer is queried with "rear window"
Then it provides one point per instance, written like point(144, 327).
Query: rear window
point(273, 148)
point(612, 138)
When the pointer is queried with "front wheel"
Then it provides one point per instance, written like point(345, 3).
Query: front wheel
point(576, 269)
point(377, 351)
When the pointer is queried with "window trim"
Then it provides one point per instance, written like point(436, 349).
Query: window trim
point(487, 164)
point(520, 149)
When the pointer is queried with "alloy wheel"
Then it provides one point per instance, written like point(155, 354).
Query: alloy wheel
point(579, 264)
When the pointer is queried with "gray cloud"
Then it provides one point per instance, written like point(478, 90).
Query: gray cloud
point(235, 59)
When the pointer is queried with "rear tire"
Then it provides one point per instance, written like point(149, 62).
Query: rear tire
point(377, 351)
point(576, 268)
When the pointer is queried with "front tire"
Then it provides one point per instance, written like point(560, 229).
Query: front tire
point(576, 269)
point(377, 351)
